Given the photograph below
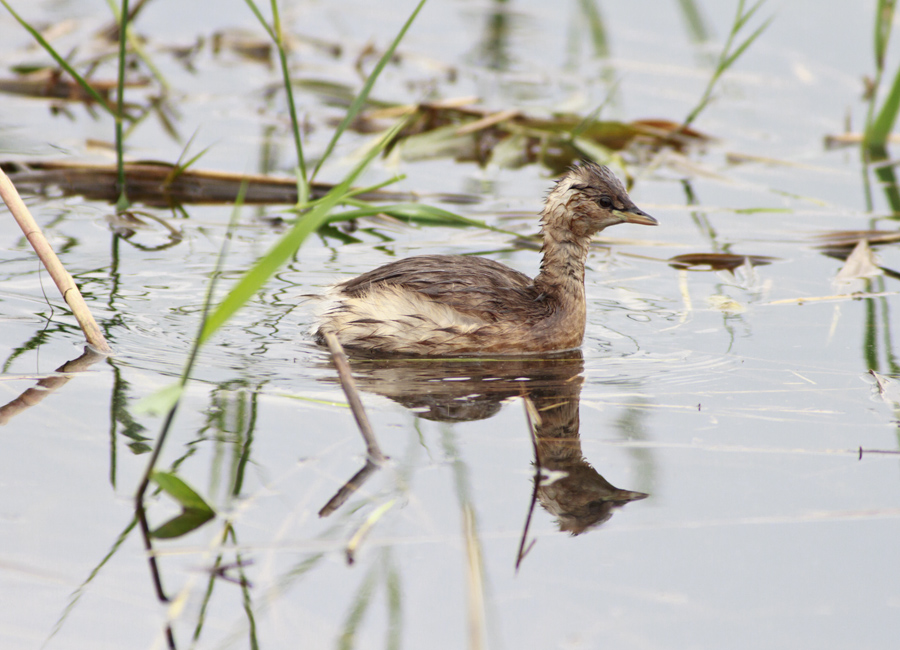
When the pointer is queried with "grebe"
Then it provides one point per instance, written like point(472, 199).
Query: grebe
point(457, 305)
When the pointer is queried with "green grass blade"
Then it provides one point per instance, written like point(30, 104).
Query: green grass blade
point(743, 46)
point(256, 277)
point(185, 495)
point(195, 511)
point(363, 95)
point(187, 522)
point(183, 167)
point(358, 609)
point(123, 203)
point(414, 213)
point(82, 588)
point(599, 40)
point(394, 596)
point(881, 127)
point(728, 55)
point(161, 401)
point(189, 364)
point(261, 19)
point(884, 20)
point(377, 186)
point(694, 20)
point(744, 16)
point(302, 190)
point(61, 61)
point(277, 35)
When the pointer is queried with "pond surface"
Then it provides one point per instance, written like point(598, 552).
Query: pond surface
point(740, 402)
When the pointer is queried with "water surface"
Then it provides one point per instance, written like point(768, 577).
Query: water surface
point(738, 401)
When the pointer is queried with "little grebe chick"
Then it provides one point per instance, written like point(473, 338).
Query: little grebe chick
point(458, 305)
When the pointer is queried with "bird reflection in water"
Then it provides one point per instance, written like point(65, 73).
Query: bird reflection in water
point(460, 390)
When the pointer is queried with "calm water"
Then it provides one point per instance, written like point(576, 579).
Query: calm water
point(737, 401)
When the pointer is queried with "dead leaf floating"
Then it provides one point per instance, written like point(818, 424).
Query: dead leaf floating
point(860, 264)
point(888, 389)
point(717, 261)
point(511, 138)
point(842, 241)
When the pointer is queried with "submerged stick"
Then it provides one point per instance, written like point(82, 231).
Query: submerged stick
point(534, 420)
point(57, 271)
point(349, 386)
point(348, 488)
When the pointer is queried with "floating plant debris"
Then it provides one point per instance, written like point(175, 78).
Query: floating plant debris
point(717, 261)
point(161, 184)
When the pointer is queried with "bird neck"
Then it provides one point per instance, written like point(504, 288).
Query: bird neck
point(565, 253)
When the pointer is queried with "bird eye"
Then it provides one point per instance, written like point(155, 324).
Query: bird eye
point(605, 202)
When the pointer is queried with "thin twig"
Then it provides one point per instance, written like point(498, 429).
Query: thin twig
point(877, 451)
point(348, 488)
point(534, 419)
point(349, 386)
point(61, 277)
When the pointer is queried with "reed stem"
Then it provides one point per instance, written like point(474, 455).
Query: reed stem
point(55, 268)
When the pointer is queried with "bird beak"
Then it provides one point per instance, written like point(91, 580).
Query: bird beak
point(636, 215)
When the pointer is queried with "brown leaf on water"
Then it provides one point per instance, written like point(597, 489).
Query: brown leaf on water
point(249, 45)
point(53, 84)
point(512, 138)
point(675, 132)
point(717, 261)
point(846, 239)
point(460, 129)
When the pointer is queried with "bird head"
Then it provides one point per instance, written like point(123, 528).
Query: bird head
point(589, 198)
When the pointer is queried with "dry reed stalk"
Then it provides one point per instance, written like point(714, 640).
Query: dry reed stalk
point(57, 271)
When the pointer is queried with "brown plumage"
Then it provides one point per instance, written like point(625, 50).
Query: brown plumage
point(458, 305)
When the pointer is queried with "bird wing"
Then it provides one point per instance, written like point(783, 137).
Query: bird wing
point(472, 285)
